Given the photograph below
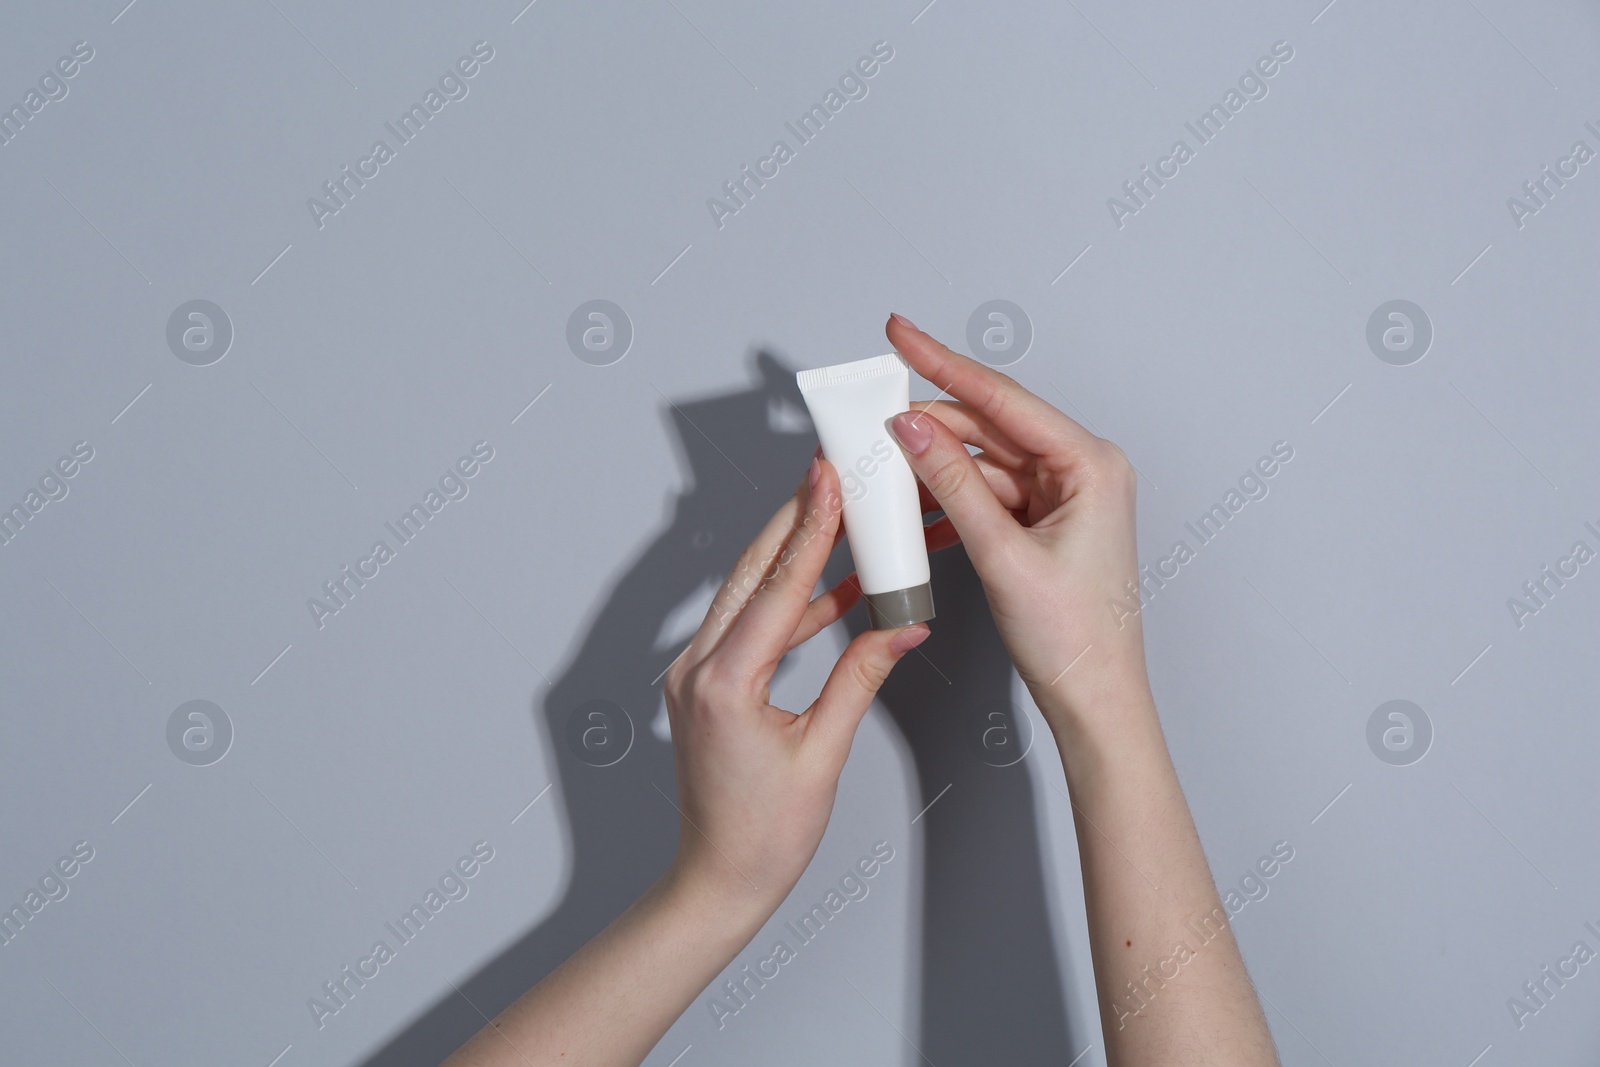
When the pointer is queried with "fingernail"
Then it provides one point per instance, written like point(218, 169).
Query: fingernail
point(818, 453)
point(909, 638)
point(814, 473)
point(902, 320)
point(912, 431)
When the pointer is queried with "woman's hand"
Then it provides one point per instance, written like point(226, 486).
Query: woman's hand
point(755, 788)
point(756, 783)
point(1046, 512)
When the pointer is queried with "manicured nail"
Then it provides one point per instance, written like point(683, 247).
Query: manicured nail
point(814, 473)
point(902, 320)
point(911, 429)
point(909, 638)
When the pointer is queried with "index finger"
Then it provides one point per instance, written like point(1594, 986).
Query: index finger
point(1027, 419)
point(751, 569)
point(760, 635)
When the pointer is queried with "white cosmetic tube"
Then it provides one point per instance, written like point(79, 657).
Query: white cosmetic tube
point(851, 405)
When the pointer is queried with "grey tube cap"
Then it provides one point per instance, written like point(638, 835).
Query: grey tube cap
point(900, 607)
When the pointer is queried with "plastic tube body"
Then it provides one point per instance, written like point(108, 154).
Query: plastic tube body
point(851, 405)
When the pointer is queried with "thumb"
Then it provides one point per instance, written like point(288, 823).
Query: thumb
point(942, 462)
point(861, 671)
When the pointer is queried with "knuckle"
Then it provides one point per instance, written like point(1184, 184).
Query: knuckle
point(996, 402)
point(692, 683)
point(674, 680)
point(782, 578)
point(948, 480)
point(870, 673)
point(729, 685)
point(713, 679)
point(1112, 463)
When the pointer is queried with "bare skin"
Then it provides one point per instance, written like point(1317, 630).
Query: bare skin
point(1046, 512)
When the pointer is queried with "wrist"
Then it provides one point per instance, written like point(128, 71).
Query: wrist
point(1100, 689)
point(1109, 725)
point(728, 908)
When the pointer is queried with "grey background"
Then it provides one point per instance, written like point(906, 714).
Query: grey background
point(369, 355)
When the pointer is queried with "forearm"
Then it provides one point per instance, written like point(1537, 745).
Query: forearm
point(610, 1003)
point(1172, 982)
